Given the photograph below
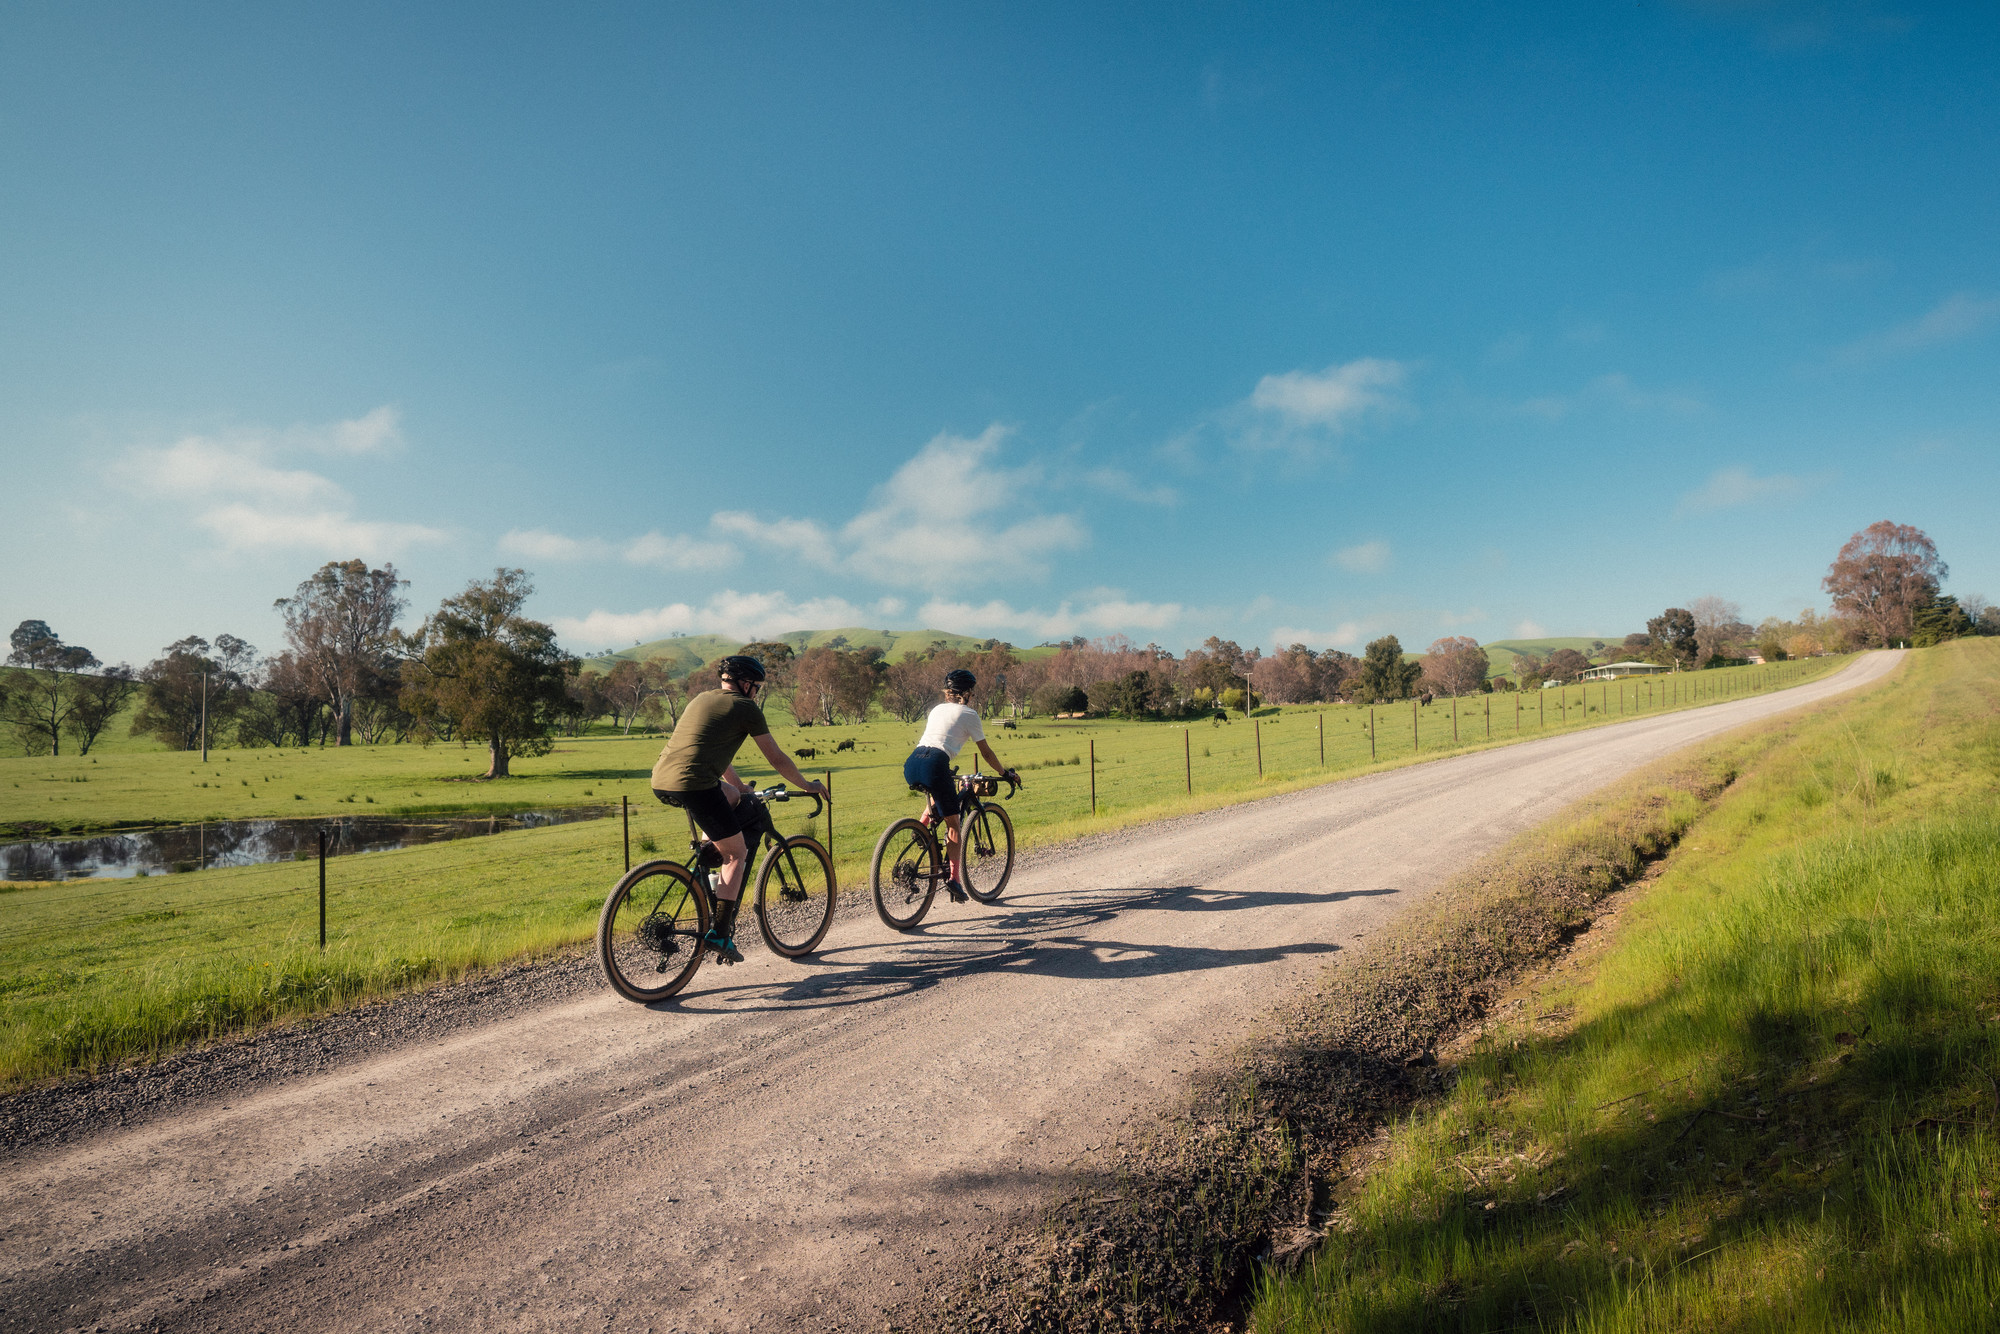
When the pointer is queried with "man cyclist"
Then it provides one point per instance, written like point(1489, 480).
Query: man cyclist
point(696, 773)
point(947, 729)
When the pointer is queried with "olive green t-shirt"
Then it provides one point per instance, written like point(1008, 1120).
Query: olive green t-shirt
point(705, 740)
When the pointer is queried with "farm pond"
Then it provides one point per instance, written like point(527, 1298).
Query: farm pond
point(193, 847)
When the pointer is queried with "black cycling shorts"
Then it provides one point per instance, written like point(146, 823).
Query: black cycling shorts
point(712, 811)
point(930, 769)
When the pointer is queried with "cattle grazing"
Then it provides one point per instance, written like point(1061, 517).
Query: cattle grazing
point(806, 753)
point(1008, 724)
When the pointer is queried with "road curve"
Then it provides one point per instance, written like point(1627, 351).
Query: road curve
point(792, 1144)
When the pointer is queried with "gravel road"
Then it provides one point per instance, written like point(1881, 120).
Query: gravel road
point(807, 1144)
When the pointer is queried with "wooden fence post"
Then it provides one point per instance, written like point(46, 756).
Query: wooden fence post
point(322, 891)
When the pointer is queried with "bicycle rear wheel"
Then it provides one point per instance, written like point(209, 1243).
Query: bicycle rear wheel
point(795, 896)
point(989, 853)
point(649, 934)
point(905, 873)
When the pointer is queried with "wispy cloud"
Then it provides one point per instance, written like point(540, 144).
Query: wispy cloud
point(1960, 315)
point(1100, 614)
point(1615, 390)
point(1363, 558)
point(730, 613)
point(1117, 482)
point(1298, 410)
point(947, 518)
point(756, 615)
point(1346, 635)
point(1529, 630)
point(1734, 488)
point(244, 491)
point(660, 550)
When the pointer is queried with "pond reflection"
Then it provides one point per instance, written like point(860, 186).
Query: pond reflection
point(193, 847)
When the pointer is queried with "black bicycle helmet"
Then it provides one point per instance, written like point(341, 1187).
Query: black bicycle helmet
point(960, 681)
point(741, 667)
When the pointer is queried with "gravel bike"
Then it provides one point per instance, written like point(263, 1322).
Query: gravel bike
point(909, 863)
point(649, 934)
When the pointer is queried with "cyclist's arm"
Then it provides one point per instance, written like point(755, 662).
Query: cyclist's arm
point(729, 777)
point(991, 758)
point(783, 764)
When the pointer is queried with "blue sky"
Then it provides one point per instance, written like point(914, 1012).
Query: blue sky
point(1306, 322)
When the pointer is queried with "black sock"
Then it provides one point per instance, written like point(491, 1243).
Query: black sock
point(725, 918)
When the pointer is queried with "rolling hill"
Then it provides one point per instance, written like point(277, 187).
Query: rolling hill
point(1500, 653)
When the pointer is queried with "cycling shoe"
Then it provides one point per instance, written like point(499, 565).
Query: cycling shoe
point(957, 891)
point(725, 948)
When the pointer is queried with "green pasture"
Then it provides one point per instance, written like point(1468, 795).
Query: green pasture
point(1772, 1104)
point(94, 972)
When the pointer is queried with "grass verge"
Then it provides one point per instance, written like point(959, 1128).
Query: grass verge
point(1167, 1236)
point(1773, 1101)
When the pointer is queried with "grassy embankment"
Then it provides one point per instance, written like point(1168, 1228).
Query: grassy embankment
point(96, 972)
point(1773, 1102)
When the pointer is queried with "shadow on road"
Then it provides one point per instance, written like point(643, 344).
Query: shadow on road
point(1025, 936)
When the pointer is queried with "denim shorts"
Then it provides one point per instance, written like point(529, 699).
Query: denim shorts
point(930, 769)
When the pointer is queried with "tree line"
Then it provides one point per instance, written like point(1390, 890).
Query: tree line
point(478, 670)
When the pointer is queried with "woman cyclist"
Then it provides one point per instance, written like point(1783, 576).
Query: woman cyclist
point(950, 725)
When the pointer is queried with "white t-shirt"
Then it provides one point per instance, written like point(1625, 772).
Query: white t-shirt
point(950, 726)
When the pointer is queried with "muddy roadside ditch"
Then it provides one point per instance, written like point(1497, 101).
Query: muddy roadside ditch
point(1166, 1230)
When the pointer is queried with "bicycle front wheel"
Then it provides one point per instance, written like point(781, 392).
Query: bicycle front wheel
point(989, 853)
point(906, 872)
point(795, 896)
point(649, 934)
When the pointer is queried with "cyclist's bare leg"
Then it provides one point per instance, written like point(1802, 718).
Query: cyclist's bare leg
point(735, 866)
point(954, 855)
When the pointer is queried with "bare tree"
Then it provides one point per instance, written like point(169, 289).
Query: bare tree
point(1456, 665)
point(1714, 619)
point(341, 627)
point(45, 694)
point(1882, 574)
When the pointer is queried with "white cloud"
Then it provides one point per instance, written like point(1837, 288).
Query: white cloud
point(1346, 635)
point(368, 434)
point(1331, 400)
point(1529, 630)
point(1733, 488)
point(249, 528)
point(543, 545)
point(196, 467)
point(678, 552)
point(1364, 558)
point(244, 497)
point(1960, 315)
point(802, 537)
point(1614, 390)
point(729, 613)
point(945, 519)
point(1101, 614)
point(1118, 482)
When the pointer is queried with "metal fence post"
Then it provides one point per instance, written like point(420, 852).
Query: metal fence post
point(1187, 756)
point(1258, 728)
point(1319, 724)
point(1093, 776)
point(625, 815)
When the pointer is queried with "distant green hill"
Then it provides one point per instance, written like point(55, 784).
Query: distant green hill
point(1500, 653)
point(685, 653)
